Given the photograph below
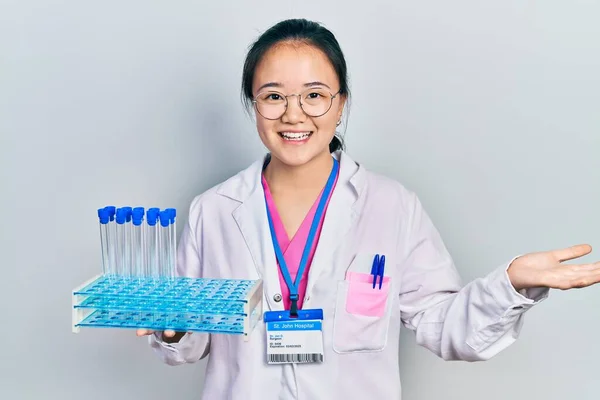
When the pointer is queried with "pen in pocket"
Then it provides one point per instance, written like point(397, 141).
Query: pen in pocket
point(377, 269)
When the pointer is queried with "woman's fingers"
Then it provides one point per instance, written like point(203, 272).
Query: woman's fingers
point(169, 333)
point(572, 252)
point(585, 280)
point(584, 267)
point(144, 332)
point(578, 276)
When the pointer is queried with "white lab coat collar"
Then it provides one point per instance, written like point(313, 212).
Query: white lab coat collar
point(251, 218)
point(243, 185)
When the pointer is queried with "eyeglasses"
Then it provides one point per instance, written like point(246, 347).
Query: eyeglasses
point(314, 102)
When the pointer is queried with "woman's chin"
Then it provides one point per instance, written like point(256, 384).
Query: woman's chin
point(297, 157)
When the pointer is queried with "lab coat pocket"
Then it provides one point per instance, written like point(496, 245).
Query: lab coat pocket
point(362, 298)
point(362, 314)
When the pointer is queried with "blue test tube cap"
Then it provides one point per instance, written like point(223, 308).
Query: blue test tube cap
point(111, 212)
point(103, 215)
point(172, 214)
point(151, 216)
point(165, 218)
point(121, 216)
point(128, 212)
point(137, 215)
point(138, 210)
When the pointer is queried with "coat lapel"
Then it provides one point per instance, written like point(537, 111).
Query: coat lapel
point(251, 219)
point(340, 216)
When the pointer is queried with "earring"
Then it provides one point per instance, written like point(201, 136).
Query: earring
point(338, 123)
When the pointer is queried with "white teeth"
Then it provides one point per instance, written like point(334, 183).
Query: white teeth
point(295, 135)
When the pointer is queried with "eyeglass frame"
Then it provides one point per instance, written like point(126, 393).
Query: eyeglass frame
point(298, 95)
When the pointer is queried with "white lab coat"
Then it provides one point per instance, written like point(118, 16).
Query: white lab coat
point(227, 236)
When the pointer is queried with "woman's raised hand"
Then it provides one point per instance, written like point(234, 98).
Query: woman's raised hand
point(547, 269)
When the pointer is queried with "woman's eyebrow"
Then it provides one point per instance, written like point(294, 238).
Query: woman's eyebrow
point(279, 85)
point(316, 83)
point(270, 84)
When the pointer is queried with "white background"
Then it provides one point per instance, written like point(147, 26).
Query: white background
point(489, 110)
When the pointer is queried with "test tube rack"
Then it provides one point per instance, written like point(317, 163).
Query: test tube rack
point(221, 306)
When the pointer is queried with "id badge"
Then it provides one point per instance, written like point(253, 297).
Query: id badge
point(294, 340)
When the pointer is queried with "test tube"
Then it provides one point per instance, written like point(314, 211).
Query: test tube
point(121, 219)
point(137, 218)
point(172, 241)
point(164, 244)
point(128, 270)
point(104, 218)
point(111, 240)
point(151, 239)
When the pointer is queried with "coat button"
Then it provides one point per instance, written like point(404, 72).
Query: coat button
point(277, 297)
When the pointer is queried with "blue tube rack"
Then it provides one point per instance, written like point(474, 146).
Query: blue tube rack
point(218, 306)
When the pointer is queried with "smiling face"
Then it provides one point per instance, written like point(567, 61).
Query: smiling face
point(290, 69)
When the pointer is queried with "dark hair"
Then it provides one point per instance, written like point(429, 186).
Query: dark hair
point(299, 30)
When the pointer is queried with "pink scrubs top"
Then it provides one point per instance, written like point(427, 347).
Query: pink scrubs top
point(292, 249)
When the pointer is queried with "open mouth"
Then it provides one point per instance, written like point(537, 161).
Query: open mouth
point(295, 136)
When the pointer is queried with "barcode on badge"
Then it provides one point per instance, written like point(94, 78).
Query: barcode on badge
point(296, 358)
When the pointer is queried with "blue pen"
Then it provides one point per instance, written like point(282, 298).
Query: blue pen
point(381, 270)
point(375, 269)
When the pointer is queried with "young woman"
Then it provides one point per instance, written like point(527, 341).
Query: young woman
point(309, 210)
